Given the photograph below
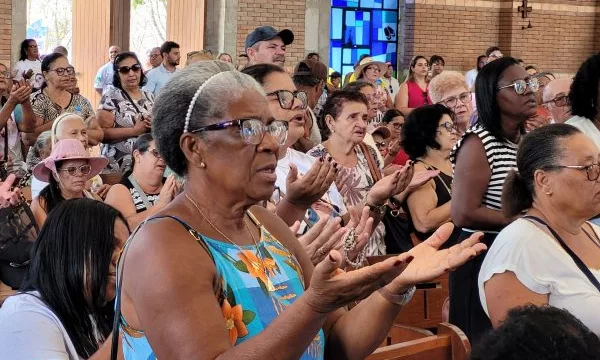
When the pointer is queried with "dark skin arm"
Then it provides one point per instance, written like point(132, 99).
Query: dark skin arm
point(471, 178)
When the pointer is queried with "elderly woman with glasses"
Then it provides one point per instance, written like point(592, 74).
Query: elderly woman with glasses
point(482, 159)
point(124, 112)
point(143, 190)
point(449, 89)
point(234, 280)
point(551, 256)
point(54, 98)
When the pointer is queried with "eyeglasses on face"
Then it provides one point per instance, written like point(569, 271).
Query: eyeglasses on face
point(286, 98)
point(450, 127)
point(381, 144)
point(520, 86)
point(452, 102)
point(559, 101)
point(397, 126)
point(5, 74)
point(152, 56)
point(252, 130)
point(62, 71)
point(126, 69)
point(592, 171)
point(74, 170)
point(374, 68)
point(155, 153)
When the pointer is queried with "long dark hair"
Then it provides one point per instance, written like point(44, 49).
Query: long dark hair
point(24, 47)
point(51, 193)
point(122, 56)
point(413, 63)
point(73, 253)
point(421, 127)
point(486, 91)
point(260, 71)
point(142, 144)
point(539, 150)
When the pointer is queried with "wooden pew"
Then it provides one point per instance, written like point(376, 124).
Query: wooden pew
point(402, 333)
point(449, 344)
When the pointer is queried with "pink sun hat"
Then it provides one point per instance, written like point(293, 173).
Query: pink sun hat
point(67, 149)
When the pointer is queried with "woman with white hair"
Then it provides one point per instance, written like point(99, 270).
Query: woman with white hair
point(449, 89)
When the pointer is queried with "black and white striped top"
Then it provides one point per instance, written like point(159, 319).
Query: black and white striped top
point(501, 156)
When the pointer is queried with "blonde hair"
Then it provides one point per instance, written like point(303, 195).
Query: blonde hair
point(444, 82)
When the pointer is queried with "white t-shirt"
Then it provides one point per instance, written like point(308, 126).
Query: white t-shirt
point(587, 127)
point(30, 330)
point(542, 265)
point(22, 66)
point(104, 76)
point(470, 77)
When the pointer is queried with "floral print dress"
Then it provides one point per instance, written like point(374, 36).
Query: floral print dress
point(353, 184)
point(255, 285)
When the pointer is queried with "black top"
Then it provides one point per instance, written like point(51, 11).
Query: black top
point(135, 196)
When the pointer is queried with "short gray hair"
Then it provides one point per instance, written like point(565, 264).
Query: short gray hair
point(171, 105)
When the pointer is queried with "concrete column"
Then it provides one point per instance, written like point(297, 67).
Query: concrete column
point(316, 28)
point(220, 30)
point(19, 28)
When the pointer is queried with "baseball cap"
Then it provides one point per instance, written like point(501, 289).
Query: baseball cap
point(312, 68)
point(264, 33)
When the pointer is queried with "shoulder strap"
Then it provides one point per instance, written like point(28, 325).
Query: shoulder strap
point(141, 192)
point(123, 256)
point(580, 264)
point(375, 173)
point(131, 100)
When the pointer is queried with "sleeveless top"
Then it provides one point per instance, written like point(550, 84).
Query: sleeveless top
point(135, 195)
point(443, 183)
point(251, 292)
point(501, 156)
point(416, 96)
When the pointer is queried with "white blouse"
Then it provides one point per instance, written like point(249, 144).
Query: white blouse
point(542, 265)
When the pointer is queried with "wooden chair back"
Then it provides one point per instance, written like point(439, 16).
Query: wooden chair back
point(449, 344)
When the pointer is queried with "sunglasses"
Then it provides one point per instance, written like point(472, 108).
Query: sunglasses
point(452, 102)
point(286, 98)
point(560, 101)
point(74, 170)
point(126, 69)
point(520, 86)
point(252, 130)
point(62, 71)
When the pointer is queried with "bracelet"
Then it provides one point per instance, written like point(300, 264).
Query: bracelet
point(360, 259)
point(398, 299)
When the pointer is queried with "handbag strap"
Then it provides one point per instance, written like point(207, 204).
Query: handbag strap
point(375, 173)
point(141, 192)
point(132, 102)
point(580, 264)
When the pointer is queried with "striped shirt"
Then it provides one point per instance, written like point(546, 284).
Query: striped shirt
point(501, 157)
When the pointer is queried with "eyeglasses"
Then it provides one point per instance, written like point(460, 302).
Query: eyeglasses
point(74, 170)
point(4, 74)
point(152, 56)
point(381, 145)
point(520, 86)
point(397, 126)
point(496, 55)
point(126, 69)
point(252, 130)
point(450, 127)
point(286, 98)
point(592, 171)
point(155, 153)
point(452, 102)
point(560, 101)
point(62, 71)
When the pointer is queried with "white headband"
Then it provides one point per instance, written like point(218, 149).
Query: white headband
point(196, 95)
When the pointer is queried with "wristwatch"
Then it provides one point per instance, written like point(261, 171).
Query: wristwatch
point(398, 299)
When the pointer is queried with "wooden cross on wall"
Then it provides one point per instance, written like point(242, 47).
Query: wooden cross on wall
point(524, 9)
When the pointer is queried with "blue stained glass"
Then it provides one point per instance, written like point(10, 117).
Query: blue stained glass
point(367, 16)
point(345, 3)
point(347, 69)
point(366, 3)
point(390, 4)
point(347, 54)
point(336, 23)
point(336, 57)
point(350, 18)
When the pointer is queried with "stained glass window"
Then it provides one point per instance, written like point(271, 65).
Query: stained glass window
point(362, 27)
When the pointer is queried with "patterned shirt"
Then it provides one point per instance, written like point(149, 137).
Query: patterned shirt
point(117, 102)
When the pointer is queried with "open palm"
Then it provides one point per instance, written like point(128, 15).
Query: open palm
point(429, 261)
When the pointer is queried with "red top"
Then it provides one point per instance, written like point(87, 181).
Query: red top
point(416, 96)
point(401, 158)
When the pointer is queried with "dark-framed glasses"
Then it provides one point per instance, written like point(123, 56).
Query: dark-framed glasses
point(62, 71)
point(452, 102)
point(74, 170)
point(397, 126)
point(381, 145)
point(286, 98)
point(520, 86)
point(450, 127)
point(252, 130)
point(592, 171)
point(126, 69)
point(560, 101)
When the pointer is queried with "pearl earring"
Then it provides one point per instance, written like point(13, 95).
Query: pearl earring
point(202, 165)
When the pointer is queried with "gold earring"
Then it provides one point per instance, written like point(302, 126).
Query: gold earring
point(548, 193)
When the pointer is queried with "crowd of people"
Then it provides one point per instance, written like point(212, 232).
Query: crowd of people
point(215, 210)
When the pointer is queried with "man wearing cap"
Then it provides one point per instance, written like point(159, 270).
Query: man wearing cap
point(310, 76)
point(266, 45)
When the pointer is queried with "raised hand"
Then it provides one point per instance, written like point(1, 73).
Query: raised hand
point(429, 261)
point(362, 224)
point(390, 185)
point(9, 197)
point(306, 190)
point(421, 178)
point(324, 236)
